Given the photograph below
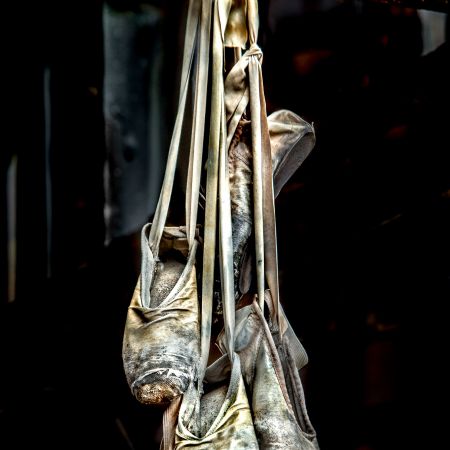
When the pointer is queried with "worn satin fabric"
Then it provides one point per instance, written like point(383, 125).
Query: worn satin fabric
point(291, 139)
point(161, 343)
point(232, 427)
point(240, 174)
point(295, 391)
point(274, 418)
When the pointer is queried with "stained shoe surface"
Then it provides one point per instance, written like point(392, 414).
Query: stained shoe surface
point(274, 411)
point(161, 340)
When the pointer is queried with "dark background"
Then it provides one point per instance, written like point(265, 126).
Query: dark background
point(363, 228)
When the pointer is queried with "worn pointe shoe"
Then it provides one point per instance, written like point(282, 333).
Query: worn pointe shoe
point(220, 419)
point(161, 341)
point(292, 357)
point(241, 178)
point(274, 410)
point(291, 140)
